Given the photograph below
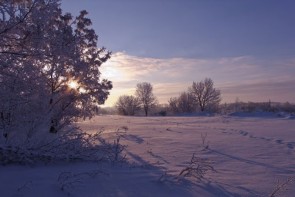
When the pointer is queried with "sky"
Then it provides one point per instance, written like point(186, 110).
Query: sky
point(247, 47)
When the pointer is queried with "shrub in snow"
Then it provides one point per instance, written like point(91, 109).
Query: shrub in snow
point(65, 146)
point(197, 168)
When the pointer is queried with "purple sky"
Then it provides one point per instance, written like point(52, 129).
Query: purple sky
point(246, 46)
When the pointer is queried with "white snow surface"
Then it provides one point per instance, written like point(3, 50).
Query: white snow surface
point(250, 155)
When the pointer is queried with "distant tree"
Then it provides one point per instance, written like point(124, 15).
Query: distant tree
point(185, 103)
point(144, 93)
point(237, 105)
point(161, 109)
point(205, 94)
point(173, 104)
point(127, 105)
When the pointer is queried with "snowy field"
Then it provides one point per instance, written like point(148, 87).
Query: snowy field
point(249, 156)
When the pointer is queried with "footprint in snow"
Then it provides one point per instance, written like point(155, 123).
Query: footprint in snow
point(244, 133)
point(264, 138)
point(279, 141)
point(291, 145)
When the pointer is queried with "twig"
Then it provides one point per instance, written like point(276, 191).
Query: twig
point(197, 168)
point(282, 186)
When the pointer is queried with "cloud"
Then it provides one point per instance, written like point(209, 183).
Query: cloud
point(261, 91)
point(244, 77)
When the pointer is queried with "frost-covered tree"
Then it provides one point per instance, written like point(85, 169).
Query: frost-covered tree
point(49, 67)
point(173, 104)
point(21, 85)
point(205, 94)
point(185, 103)
point(144, 92)
point(127, 105)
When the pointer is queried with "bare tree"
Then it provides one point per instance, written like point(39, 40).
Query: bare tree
point(144, 92)
point(127, 105)
point(205, 94)
point(173, 104)
point(185, 103)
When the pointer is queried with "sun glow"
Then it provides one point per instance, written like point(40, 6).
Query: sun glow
point(73, 84)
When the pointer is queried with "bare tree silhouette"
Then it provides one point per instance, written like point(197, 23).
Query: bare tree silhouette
point(205, 94)
point(144, 93)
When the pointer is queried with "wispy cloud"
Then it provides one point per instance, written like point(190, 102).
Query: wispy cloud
point(244, 77)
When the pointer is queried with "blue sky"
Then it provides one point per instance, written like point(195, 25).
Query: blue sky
point(246, 46)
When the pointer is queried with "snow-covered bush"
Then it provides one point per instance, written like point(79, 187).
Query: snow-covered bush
point(72, 145)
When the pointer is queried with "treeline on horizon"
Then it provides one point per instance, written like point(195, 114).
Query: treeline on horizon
point(224, 108)
point(201, 98)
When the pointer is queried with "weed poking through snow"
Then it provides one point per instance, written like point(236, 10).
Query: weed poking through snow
point(205, 143)
point(67, 181)
point(197, 168)
point(280, 187)
point(26, 186)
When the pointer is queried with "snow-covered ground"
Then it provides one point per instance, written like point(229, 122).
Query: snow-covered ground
point(249, 154)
